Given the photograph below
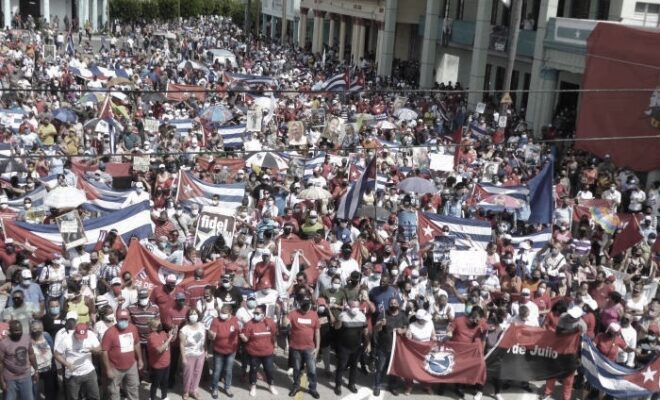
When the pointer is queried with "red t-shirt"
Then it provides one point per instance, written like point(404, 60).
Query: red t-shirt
point(303, 327)
point(609, 346)
point(463, 333)
point(551, 321)
point(590, 319)
point(226, 335)
point(157, 360)
point(161, 298)
point(260, 337)
point(120, 346)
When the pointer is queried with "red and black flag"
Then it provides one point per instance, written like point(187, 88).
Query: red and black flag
point(533, 354)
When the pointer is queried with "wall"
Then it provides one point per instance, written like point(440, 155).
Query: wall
point(370, 9)
point(630, 17)
point(61, 8)
point(274, 8)
point(402, 40)
point(409, 11)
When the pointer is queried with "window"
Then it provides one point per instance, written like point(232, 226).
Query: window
point(525, 95)
point(460, 7)
point(514, 86)
point(603, 12)
point(489, 68)
point(493, 13)
point(647, 13)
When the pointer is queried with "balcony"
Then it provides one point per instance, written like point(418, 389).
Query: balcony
point(462, 31)
point(567, 34)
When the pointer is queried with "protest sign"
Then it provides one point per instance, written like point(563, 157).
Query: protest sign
point(334, 130)
point(468, 262)
point(141, 163)
point(296, 133)
point(481, 107)
point(214, 221)
point(441, 162)
point(254, 120)
point(71, 229)
point(151, 124)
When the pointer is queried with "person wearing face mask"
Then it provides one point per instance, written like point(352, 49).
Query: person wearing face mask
point(420, 329)
point(32, 293)
point(83, 305)
point(53, 320)
point(228, 294)
point(245, 312)
point(141, 313)
point(335, 296)
point(114, 297)
point(525, 300)
point(312, 225)
point(19, 311)
point(121, 357)
point(181, 221)
point(42, 344)
point(381, 295)
point(610, 343)
point(224, 333)
point(388, 323)
point(192, 338)
point(304, 341)
point(352, 332)
point(553, 261)
point(259, 335)
point(629, 335)
point(174, 318)
point(159, 358)
point(15, 379)
point(137, 196)
point(74, 352)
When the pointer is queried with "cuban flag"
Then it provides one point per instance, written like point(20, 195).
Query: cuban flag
point(12, 119)
point(232, 136)
point(183, 126)
point(351, 200)
point(355, 172)
point(45, 240)
point(343, 81)
point(192, 190)
point(469, 233)
point(483, 190)
point(102, 201)
point(615, 380)
point(318, 162)
point(539, 239)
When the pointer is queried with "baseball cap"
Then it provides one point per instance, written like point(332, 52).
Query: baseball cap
point(139, 185)
point(71, 315)
point(313, 213)
point(614, 327)
point(26, 274)
point(123, 314)
point(81, 331)
point(251, 296)
point(525, 291)
point(115, 281)
point(170, 278)
point(575, 312)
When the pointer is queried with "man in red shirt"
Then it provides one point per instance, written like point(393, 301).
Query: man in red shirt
point(224, 333)
point(610, 342)
point(304, 342)
point(163, 296)
point(469, 328)
point(264, 272)
point(158, 354)
point(173, 318)
point(259, 336)
point(122, 357)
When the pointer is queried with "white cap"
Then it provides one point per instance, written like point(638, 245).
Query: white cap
point(139, 185)
point(422, 314)
point(71, 315)
point(591, 303)
point(524, 245)
point(115, 281)
point(575, 312)
point(313, 213)
point(526, 291)
point(26, 274)
point(614, 327)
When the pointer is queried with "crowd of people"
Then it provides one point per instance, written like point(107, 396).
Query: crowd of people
point(78, 323)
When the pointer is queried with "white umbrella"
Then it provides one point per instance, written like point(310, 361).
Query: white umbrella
point(385, 125)
point(64, 197)
point(406, 114)
point(314, 193)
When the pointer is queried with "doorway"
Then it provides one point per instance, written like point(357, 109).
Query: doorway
point(30, 7)
point(568, 100)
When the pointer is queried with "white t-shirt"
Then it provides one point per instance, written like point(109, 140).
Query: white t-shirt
point(78, 353)
point(421, 332)
point(195, 338)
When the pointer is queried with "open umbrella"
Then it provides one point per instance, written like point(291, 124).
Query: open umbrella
point(91, 97)
point(267, 160)
point(103, 125)
point(217, 114)
point(417, 185)
point(406, 114)
point(65, 115)
point(64, 197)
point(379, 213)
point(385, 125)
point(314, 193)
point(501, 202)
point(119, 81)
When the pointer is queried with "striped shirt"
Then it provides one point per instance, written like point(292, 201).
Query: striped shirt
point(141, 316)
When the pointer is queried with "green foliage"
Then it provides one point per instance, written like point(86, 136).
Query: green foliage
point(126, 10)
point(168, 9)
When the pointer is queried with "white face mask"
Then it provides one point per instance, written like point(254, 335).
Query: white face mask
point(195, 212)
point(224, 316)
point(192, 318)
point(336, 286)
point(355, 310)
point(179, 212)
point(541, 291)
point(143, 302)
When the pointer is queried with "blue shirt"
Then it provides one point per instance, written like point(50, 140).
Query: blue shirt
point(381, 298)
point(31, 294)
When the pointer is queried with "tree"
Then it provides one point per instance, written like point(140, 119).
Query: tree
point(168, 9)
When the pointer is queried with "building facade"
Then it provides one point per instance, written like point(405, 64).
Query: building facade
point(465, 41)
point(95, 11)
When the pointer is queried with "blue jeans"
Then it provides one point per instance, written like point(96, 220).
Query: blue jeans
point(267, 363)
point(382, 362)
point(222, 362)
point(19, 389)
point(306, 356)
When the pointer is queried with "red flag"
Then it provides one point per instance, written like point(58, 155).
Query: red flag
point(627, 238)
point(178, 92)
point(427, 230)
point(311, 252)
point(106, 109)
point(438, 362)
point(149, 271)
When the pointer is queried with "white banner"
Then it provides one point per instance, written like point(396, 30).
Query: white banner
point(468, 262)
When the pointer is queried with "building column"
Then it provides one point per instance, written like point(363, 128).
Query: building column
point(273, 27)
point(373, 36)
point(568, 4)
point(342, 38)
point(104, 13)
point(354, 34)
point(95, 15)
point(6, 10)
point(479, 52)
point(317, 36)
point(302, 27)
point(361, 39)
point(537, 101)
point(593, 9)
point(331, 31)
point(616, 7)
point(379, 42)
point(81, 13)
point(264, 24)
point(285, 34)
point(429, 44)
point(45, 10)
point(387, 45)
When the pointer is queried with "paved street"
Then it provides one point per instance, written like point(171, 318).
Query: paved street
point(326, 389)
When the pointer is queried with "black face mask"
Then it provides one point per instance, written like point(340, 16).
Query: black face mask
point(394, 308)
point(36, 335)
point(305, 306)
point(18, 302)
point(15, 336)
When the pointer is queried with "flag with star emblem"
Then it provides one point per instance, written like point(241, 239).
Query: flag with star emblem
point(351, 200)
point(615, 380)
point(469, 233)
point(192, 190)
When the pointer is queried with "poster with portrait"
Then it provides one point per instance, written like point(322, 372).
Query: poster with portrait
point(141, 163)
point(50, 52)
point(399, 103)
point(296, 133)
point(254, 120)
point(72, 230)
point(334, 129)
point(151, 124)
point(214, 221)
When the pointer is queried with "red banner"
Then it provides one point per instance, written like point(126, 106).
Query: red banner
point(311, 252)
point(632, 108)
point(177, 92)
point(438, 362)
point(149, 271)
